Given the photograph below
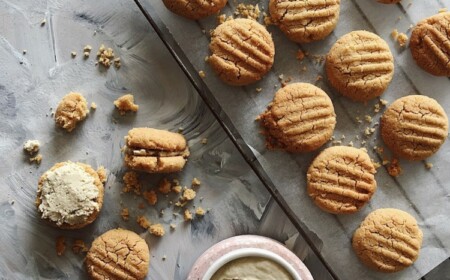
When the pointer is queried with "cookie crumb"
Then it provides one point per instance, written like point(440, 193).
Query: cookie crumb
point(43, 22)
point(200, 212)
point(78, 246)
point(176, 189)
point(394, 168)
point(248, 11)
point(258, 90)
point(131, 183)
point(157, 230)
point(164, 258)
point(188, 194)
point(196, 182)
point(105, 56)
point(202, 74)
point(125, 104)
point(187, 215)
point(31, 146)
point(300, 55)
point(164, 186)
point(402, 39)
point(60, 245)
point(36, 159)
point(173, 226)
point(368, 118)
point(143, 222)
point(101, 171)
point(206, 58)
point(93, 106)
point(350, 144)
point(383, 102)
point(117, 62)
point(204, 141)
point(222, 18)
point(73, 54)
point(151, 197)
point(87, 51)
point(125, 214)
point(428, 165)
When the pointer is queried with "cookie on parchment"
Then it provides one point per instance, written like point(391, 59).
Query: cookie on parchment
point(155, 151)
point(118, 254)
point(70, 195)
point(341, 179)
point(195, 9)
point(360, 65)
point(300, 118)
point(388, 240)
point(305, 21)
point(242, 51)
point(71, 110)
point(430, 44)
point(414, 127)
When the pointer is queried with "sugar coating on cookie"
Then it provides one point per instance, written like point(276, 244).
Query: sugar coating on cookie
point(430, 44)
point(388, 240)
point(71, 110)
point(360, 65)
point(118, 254)
point(414, 127)
point(195, 9)
point(341, 180)
point(155, 151)
point(242, 51)
point(300, 118)
point(305, 21)
point(70, 195)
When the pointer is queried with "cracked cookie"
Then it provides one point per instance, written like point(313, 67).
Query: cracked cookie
point(341, 180)
point(155, 151)
point(430, 44)
point(305, 21)
point(389, 1)
point(414, 127)
point(360, 65)
point(70, 195)
point(71, 110)
point(388, 240)
point(242, 51)
point(118, 254)
point(300, 118)
point(195, 9)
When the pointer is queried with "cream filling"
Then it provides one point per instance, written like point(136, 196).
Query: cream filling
point(252, 268)
point(156, 153)
point(68, 195)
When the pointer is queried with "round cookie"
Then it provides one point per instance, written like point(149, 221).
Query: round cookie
point(414, 127)
point(389, 1)
point(300, 118)
point(195, 9)
point(430, 44)
point(71, 109)
point(305, 21)
point(360, 65)
point(242, 51)
point(388, 240)
point(341, 179)
point(70, 195)
point(118, 254)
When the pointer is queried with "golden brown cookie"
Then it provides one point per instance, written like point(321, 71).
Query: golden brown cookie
point(414, 127)
point(71, 110)
point(155, 151)
point(388, 240)
point(305, 21)
point(300, 118)
point(430, 44)
point(242, 51)
point(70, 195)
point(389, 1)
point(195, 9)
point(118, 254)
point(341, 179)
point(360, 65)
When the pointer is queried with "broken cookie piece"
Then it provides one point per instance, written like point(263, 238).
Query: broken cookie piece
point(31, 146)
point(71, 110)
point(126, 104)
point(157, 230)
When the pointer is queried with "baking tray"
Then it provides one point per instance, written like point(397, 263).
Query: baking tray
point(283, 174)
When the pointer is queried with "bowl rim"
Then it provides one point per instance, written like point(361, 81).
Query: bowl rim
point(250, 252)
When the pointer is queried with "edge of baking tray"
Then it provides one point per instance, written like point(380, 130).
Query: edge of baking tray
point(225, 122)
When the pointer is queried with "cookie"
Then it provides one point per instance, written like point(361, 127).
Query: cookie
point(360, 66)
point(155, 151)
point(195, 9)
point(389, 1)
point(388, 240)
point(300, 118)
point(70, 195)
point(118, 254)
point(414, 127)
point(242, 51)
point(341, 180)
point(430, 44)
point(71, 110)
point(305, 21)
